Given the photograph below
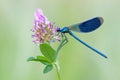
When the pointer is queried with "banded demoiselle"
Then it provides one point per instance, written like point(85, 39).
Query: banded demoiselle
point(84, 27)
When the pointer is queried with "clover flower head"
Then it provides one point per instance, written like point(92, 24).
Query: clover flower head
point(44, 30)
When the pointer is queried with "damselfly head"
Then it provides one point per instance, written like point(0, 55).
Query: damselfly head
point(64, 30)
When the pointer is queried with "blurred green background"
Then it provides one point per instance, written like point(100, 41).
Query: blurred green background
point(77, 62)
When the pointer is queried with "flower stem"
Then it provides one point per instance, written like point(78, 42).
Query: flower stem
point(56, 55)
point(57, 70)
point(59, 47)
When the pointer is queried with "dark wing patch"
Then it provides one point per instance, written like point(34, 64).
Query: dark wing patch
point(87, 26)
point(91, 24)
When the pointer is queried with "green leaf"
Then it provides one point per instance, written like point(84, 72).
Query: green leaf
point(31, 59)
point(48, 51)
point(41, 59)
point(48, 68)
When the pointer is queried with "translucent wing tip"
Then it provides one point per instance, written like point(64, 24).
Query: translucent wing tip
point(101, 20)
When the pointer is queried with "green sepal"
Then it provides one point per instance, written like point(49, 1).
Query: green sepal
point(48, 52)
point(48, 68)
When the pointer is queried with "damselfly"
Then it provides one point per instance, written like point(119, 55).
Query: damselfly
point(84, 27)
